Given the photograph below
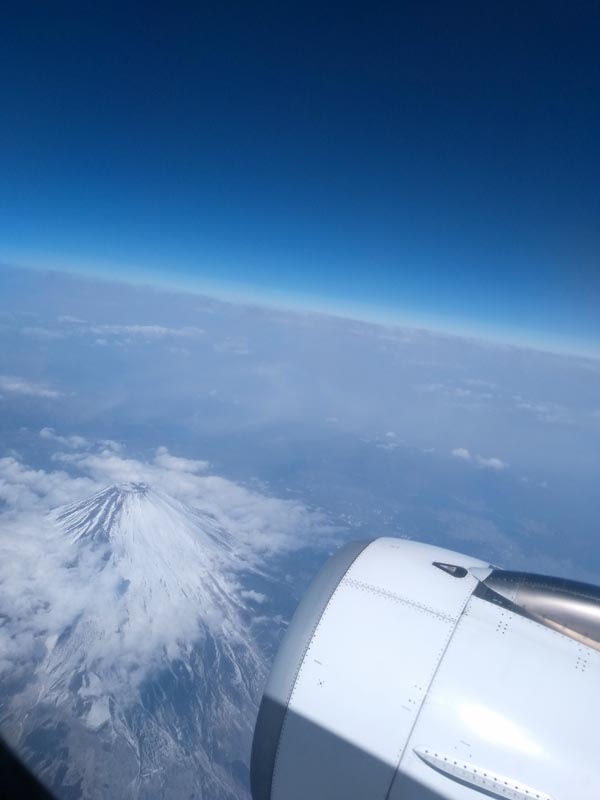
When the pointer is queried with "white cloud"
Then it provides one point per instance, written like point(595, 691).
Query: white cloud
point(473, 395)
point(110, 444)
point(29, 490)
point(255, 597)
point(22, 386)
point(488, 463)
point(462, 452)
point(73, 441)
point(42, 595)
point(164, 459)
point(38, 332)
point(491, 463)
point(147, 332)
point(546, 411)
point(65, 318)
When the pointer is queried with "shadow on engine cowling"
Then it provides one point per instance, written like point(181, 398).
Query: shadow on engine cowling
point(321, 765)
point(340, 769)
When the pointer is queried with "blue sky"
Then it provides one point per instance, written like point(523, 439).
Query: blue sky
point(431, 163)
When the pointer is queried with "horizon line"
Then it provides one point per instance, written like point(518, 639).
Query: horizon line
point(237, 293)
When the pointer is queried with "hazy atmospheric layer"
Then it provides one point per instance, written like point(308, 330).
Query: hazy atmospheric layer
point(482, 447)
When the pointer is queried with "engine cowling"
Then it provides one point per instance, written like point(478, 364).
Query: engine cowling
point(410, 672)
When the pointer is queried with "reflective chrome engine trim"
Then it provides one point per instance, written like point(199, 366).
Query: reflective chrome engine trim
point(569, 607)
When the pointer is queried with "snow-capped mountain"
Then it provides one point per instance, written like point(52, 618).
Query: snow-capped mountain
point(149, 688)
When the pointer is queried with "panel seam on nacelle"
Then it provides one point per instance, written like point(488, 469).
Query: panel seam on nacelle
point(442, 652)
point(368, 587)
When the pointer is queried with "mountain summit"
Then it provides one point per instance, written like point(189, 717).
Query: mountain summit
point(153, 682)
point(135, 508)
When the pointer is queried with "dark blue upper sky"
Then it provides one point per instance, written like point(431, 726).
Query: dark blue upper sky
point(431, 161)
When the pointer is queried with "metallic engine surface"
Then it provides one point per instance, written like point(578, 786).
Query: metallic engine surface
point(416, 673)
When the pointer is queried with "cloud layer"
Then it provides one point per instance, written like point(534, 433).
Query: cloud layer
point(44, 594)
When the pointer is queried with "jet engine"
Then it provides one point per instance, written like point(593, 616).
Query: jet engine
point(410, 672)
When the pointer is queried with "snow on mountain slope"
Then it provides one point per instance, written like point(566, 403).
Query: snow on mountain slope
point(162, 571)
point(143, 673)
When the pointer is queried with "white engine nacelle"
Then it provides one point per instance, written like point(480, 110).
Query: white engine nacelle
point(410, 672)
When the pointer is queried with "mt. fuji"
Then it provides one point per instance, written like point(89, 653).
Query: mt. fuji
point(153, 682)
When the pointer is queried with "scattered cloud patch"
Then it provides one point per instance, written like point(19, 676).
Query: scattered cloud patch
point(75, 442)
point(474, 392)
point(110, 444)
point(547, 411)
point(67, 319)
point(462, 452)
point(39, 332)
point(164, 459)
point(491, 463)
point(488, 463)
point(29, 490)
point(15, 385)
point(255, 597)
point(146, 332)
point(236, 345)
